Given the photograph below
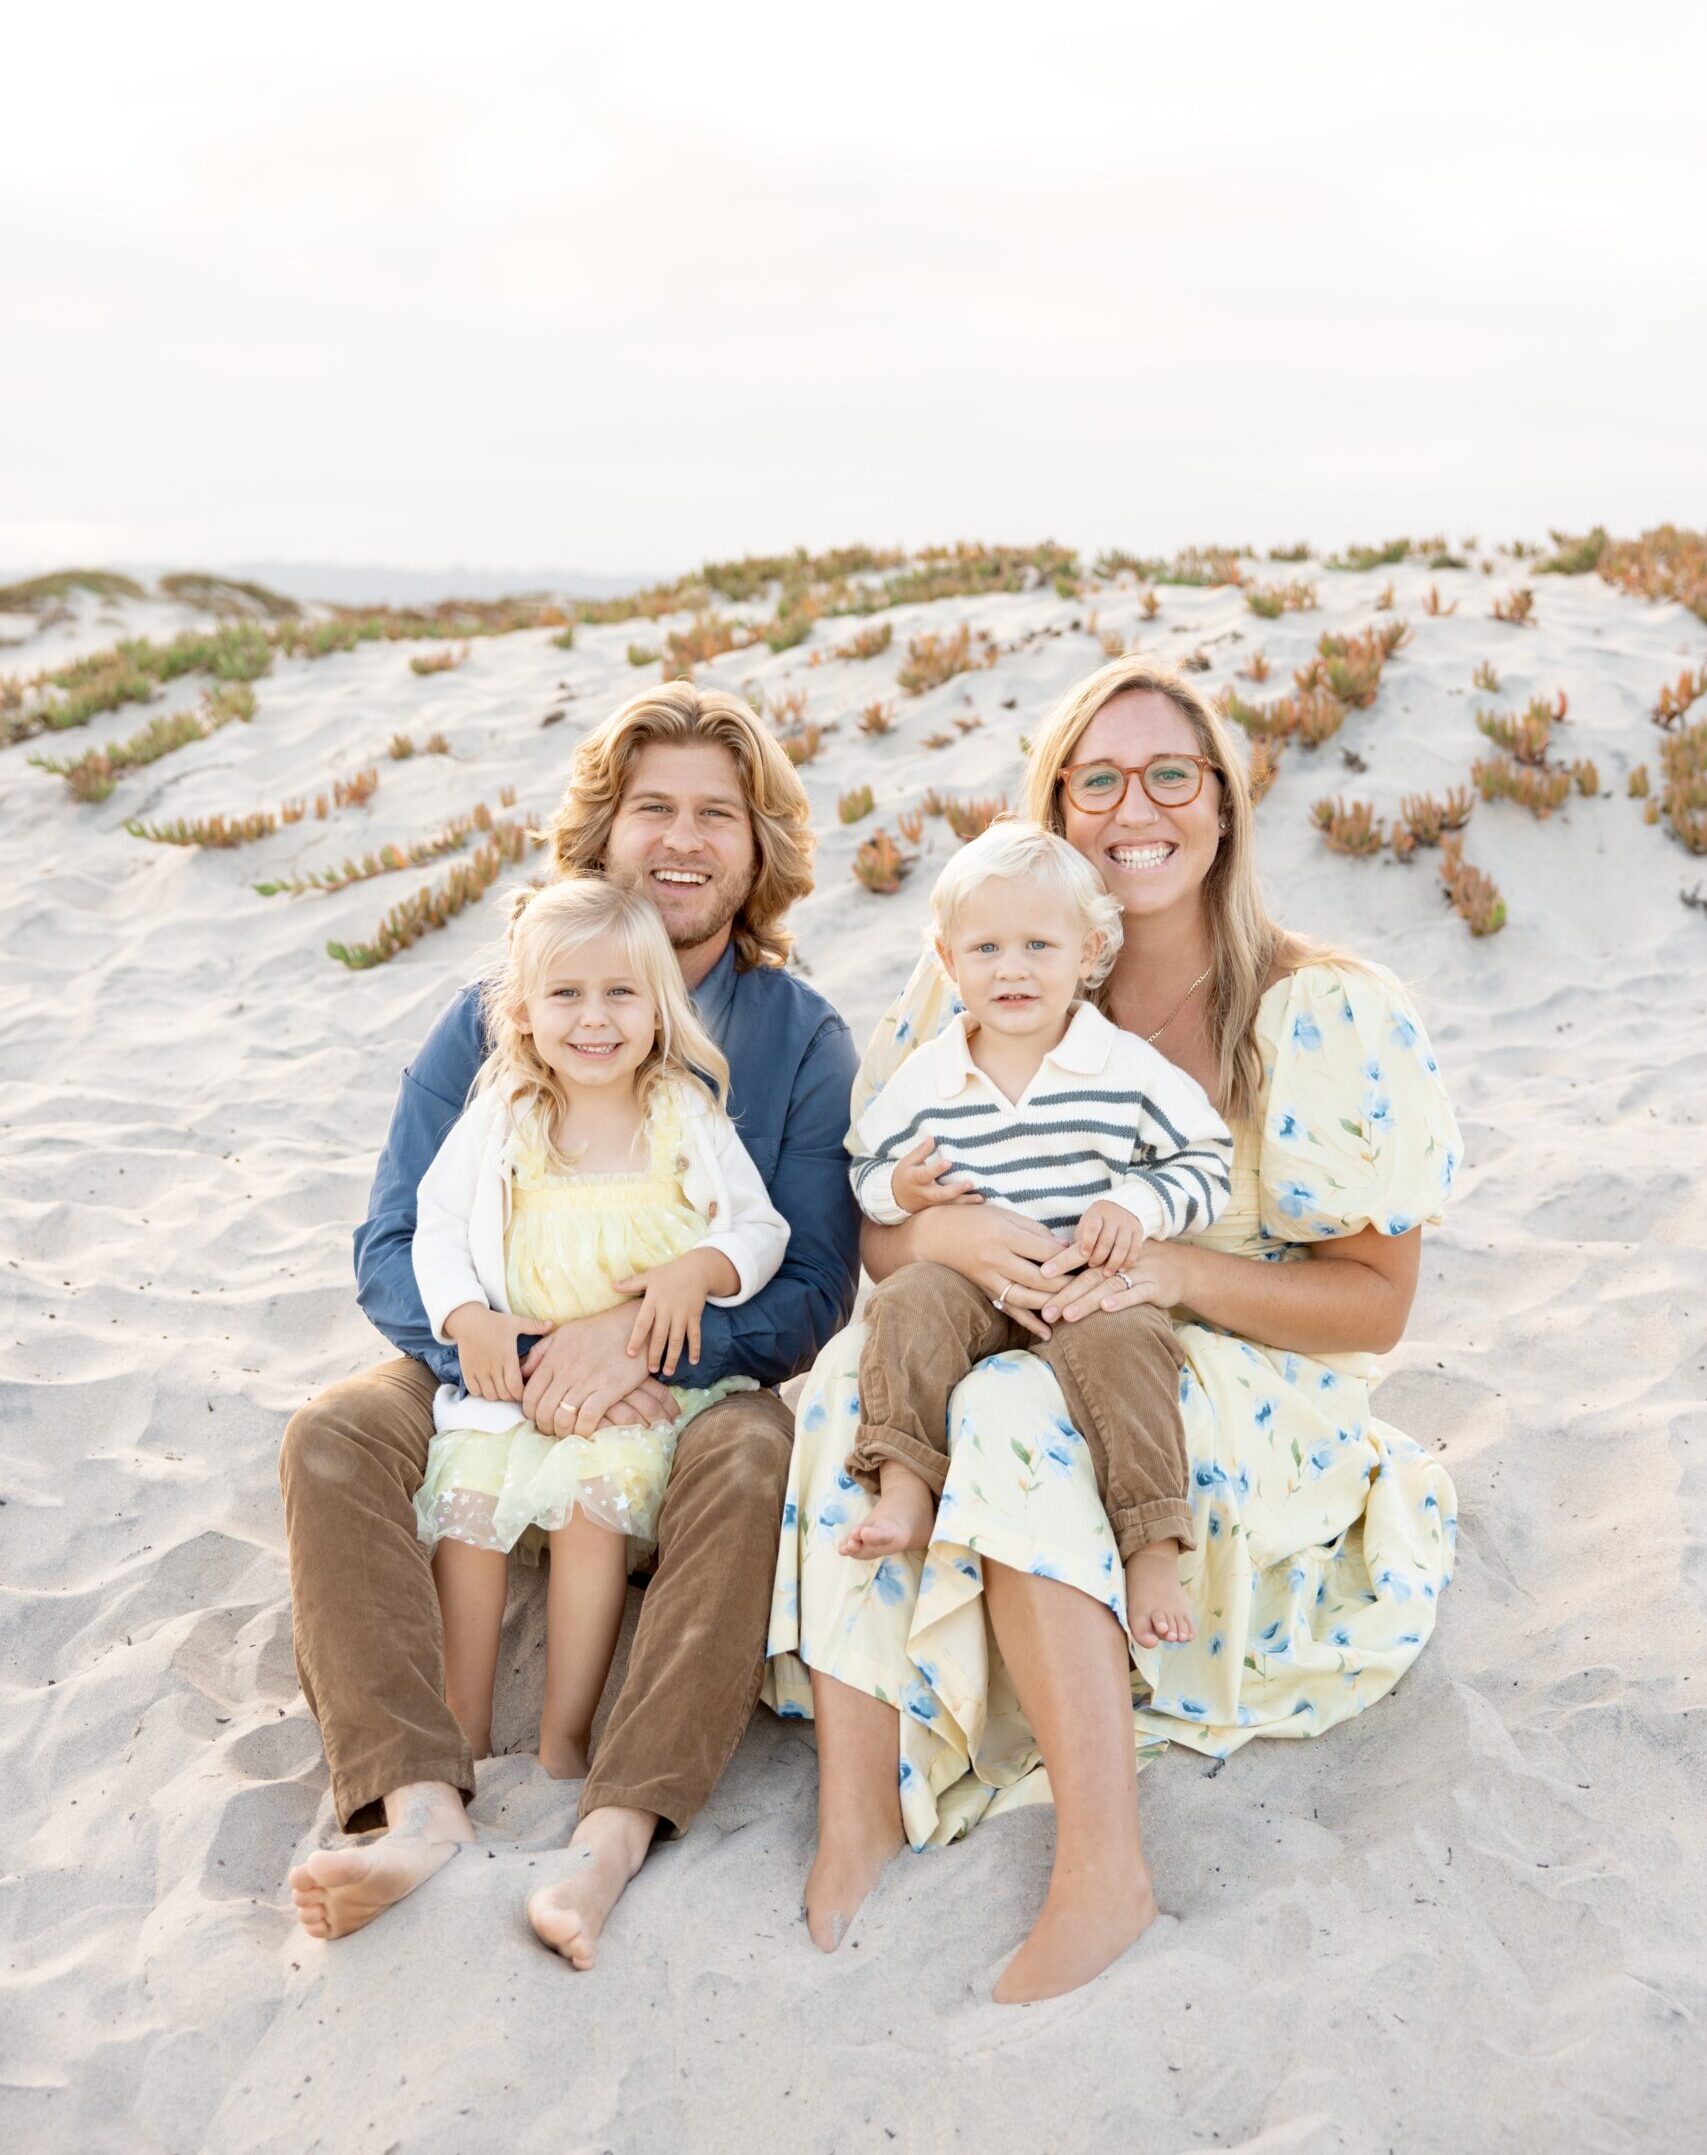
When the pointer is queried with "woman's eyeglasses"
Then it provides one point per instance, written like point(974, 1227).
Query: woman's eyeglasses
point(1170, 781)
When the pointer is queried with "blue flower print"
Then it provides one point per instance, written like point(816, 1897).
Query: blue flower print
point(906, 1771)
point(1409, 1638)
point(889, 1581)
point(1244, 1717)
point(927, 1669)
point(1372, 1070)
point(1108, 1563)
point(917, 1701)
point(1377, 1109)
point(1326, 1381)
point(791, 1599)
point(1448, 1168)
point(1217, 1646)
point(1296, 1198)
point(903, 1032)
point(1399, 1225)
point(1295, 1577)
point(1431, 1502)
point(832, 1513)
point(1402, 1032)
point(1214, 1526)
point(1303, 1707)
point(1192, 1709)
point(815, 1417)
point(1400, 1589)
point(1209, 1476)
point(1321, 1458)
point(1042, 1569)
point(957, 1008)
point(844, 1480)
point(1289, 1369)
point(1269, 1634)
point(1306, 1033)
point(1264, 1413)
point(966, 1568)
point(1287, 1125)
point(791, 1513)
point(789, 1711)
point(1058, 1452)
point(1340, 1636)
point(927, 1578)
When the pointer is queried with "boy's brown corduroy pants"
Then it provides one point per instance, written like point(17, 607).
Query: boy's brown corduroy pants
point(1118, 1371)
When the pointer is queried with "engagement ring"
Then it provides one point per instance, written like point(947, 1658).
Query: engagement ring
point(1001, 1299)
point(1125, 1279)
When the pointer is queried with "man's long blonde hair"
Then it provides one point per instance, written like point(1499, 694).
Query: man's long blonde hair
point(543, 926)
point(681, 715)
point(1246, 945)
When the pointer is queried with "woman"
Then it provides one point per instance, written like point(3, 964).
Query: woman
point(1324, 1537)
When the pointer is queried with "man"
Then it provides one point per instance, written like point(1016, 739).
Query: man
point(682, 794)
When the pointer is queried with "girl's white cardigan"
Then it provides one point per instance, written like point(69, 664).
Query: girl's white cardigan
point(463, 1207)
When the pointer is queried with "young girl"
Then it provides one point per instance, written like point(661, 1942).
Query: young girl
point(594, 1162)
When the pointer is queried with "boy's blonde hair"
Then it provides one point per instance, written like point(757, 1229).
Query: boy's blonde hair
point(565, 916)
point(1011, 851)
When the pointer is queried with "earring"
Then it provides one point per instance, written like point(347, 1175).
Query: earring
point(1224, 826)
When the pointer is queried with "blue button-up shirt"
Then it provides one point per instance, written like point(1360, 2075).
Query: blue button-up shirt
point(791, 1071)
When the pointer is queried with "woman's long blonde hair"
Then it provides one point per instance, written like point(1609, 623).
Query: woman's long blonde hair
point(1246, 945)
point(565, 916)
point(681, 715)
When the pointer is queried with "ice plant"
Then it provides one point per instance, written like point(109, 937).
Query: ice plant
point(1676, 698)
point(435, 906)
point(856, 803)
point(445, 661)
point(969, 819)
point(1473, 896)
point(1349, 826)
point(1435, 605)
point(876, 719)
point(1516, 609)
point(869, 643)
point(880, 864)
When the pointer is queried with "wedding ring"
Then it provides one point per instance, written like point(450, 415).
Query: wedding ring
point(1125, 1279)
point(1001, 1299)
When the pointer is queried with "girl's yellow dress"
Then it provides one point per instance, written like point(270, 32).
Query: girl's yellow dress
point(1324, 1537)
point(570, 1237)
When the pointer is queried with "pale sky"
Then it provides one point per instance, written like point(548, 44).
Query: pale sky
point(514, 284)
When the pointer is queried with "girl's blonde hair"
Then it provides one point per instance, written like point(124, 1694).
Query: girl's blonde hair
point(1246, 945)
point(1011, 851)
point(681, 715)
point(543, 926)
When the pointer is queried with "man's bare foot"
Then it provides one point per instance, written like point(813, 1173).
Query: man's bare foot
point(902, 1517)
point(562, 1757)
point(850, 1860)
point(1082, 1931)
point(1156, 1605)
point(339, 1890)
point(605, 1851)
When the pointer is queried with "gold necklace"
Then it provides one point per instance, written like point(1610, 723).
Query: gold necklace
point(1180, 1005)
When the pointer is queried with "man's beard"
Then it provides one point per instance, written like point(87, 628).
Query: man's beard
point(720, 897)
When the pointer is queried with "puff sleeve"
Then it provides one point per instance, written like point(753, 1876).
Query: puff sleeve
point(1357, 1130)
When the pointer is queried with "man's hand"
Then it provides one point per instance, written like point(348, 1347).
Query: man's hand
point(577, 1374)
point(1109, 1236)
point(672, 1301)
point(917, 1182)
point(485, 1342)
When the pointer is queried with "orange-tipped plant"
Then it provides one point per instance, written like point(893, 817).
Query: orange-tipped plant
point(1675, 699)
point(1485, 677)
point(1683, 766)
point(880, 864)
point(788, 708)
point(801, 745)
point(970, 724)
point(877, 719)
point(934, 659)
point(970, 819)
point(1516, 609)
point(1428, 820)
point(445, 661)
point(1270, 601)
point(858, 802)
point(1539, 788)
point(1637, 787)
point(436, 906)
point(1527, 735)
point(93, 775)
point(869, 643)
point(1664, 563)
point(1149, 606)
point(401, 747)
point(391, 860)
point(1587, 777)
point(1349, 827)
point(938, 740)
point(1473, 896)
point(934, 803)
point(911, 825)
point(1256, 668)
point(1436, 605)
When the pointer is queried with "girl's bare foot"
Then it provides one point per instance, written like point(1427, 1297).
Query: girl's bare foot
point(902, 1517)
point(1083, 1930)
point(340, 1890)
point(850, 1860)
point(1156, 1606)
point(605, 1851)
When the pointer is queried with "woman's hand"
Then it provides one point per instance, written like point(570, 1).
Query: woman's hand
point(485, 1342)
point(672, 1301)
point(1157, 1274)
point(1000, 1251)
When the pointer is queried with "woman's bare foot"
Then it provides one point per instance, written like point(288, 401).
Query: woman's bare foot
point(1082, 1930)
point(339, 1890)
point(1156, 1605)
point(562, 1757)
point(605, 1851)
point(850, 1860)
point(902, 1517)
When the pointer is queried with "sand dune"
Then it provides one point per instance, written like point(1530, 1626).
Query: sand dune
point(1471, 1919)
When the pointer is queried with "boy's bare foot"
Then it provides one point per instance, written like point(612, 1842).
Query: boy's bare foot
point(605, 1851)
point(562, 1757)
point(850, 1860)
point(1082, 1930)
point(902, 1517)
point(1155, 1603)
point(339, 1890)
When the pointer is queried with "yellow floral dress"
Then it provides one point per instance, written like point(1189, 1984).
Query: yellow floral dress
point(1324, 1537)
point(570, 1237)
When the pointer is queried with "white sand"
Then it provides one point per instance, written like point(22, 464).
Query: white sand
point(1472, 1919)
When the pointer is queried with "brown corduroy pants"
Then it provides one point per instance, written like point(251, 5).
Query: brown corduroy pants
point(1118, 1371)
point(370, 1649)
